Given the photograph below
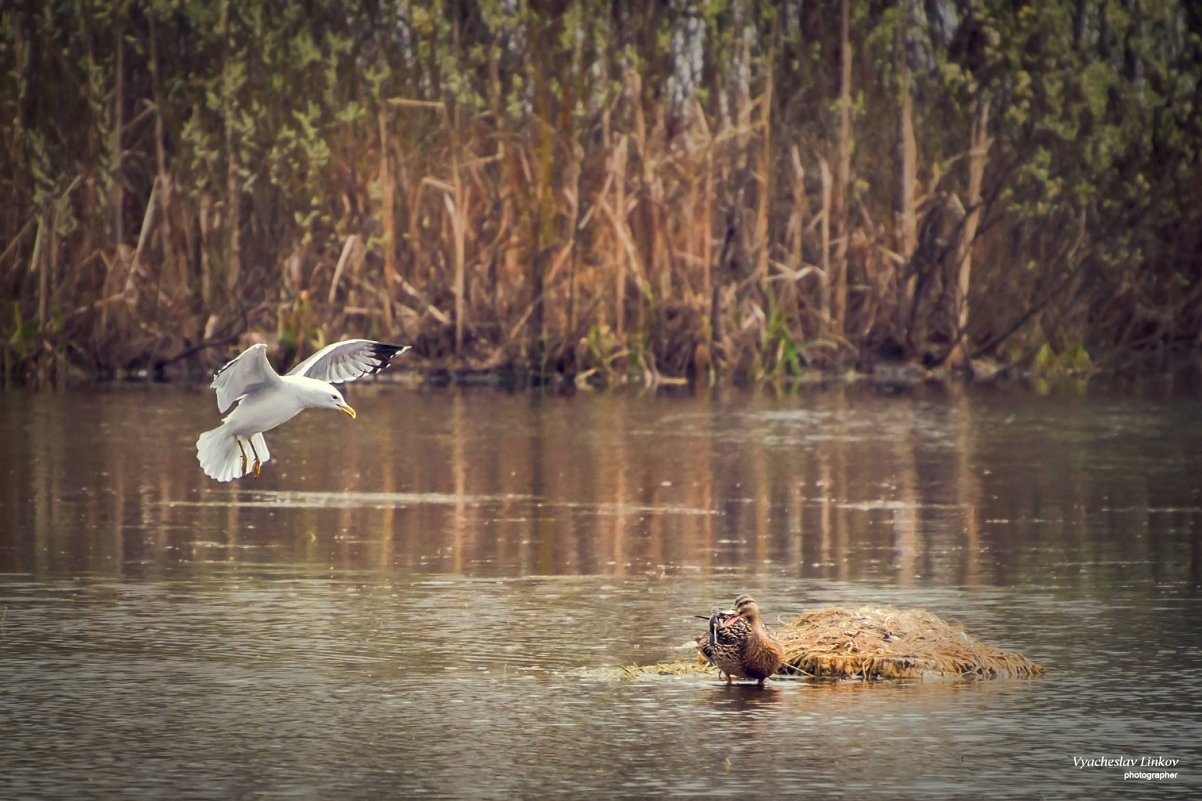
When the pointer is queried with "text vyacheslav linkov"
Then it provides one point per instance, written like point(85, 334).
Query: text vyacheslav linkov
point(1130, 762)
point(1125, 762)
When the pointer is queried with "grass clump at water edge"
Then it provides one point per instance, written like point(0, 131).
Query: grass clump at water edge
point(873, 643)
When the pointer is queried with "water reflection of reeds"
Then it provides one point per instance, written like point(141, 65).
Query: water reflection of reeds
point(946, 487)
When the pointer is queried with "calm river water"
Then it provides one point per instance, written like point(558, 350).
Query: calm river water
point(425, 601)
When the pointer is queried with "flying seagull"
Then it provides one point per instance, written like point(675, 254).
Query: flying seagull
point(267, 399)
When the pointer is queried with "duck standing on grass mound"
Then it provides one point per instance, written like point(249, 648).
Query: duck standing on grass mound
point(267, 399)
point(739, 644)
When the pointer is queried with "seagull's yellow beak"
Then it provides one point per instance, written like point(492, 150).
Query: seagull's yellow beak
point(348, 410)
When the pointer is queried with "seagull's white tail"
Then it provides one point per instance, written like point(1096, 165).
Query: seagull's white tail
point(221, 458)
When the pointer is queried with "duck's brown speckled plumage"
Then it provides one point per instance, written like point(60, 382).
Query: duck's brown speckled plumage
point(739, 645)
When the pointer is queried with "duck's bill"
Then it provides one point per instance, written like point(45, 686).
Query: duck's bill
point(348, 410)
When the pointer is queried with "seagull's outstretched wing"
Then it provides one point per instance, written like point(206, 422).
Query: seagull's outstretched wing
point(242, 375)
point(348, 360)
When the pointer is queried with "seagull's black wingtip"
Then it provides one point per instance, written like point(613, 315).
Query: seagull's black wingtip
point(383, 353)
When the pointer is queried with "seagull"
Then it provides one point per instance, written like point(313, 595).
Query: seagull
point(267, 399)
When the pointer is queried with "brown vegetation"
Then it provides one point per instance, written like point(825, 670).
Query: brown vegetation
point(599, 189)
point(880, 643)
point(883, 643)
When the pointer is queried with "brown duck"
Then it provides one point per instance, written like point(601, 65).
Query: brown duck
point(739, 645)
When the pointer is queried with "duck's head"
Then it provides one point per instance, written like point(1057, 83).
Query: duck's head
point(746, 608)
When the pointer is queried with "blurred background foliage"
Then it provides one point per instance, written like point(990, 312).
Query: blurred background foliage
point(620, 189)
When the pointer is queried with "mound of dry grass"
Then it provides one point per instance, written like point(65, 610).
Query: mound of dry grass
point(884, 643)
point(877, 643)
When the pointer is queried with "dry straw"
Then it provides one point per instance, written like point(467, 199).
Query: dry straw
point(884, 643)
point(881, 643)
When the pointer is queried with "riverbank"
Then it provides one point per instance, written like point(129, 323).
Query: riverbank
point(1182, 376)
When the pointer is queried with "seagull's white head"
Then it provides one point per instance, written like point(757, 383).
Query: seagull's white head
point(320, 395)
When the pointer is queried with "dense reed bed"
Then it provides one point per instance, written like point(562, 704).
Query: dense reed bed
point(597, 190)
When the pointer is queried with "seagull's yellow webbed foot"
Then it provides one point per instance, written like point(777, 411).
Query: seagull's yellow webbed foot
point(258, 464)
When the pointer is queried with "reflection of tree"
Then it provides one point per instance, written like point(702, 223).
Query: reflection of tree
point(949, 486)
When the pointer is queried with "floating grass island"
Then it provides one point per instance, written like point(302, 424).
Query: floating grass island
point(877, 643)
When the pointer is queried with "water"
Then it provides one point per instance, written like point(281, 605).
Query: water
point(430, 600)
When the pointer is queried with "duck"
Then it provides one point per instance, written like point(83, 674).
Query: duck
point(739, 645)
